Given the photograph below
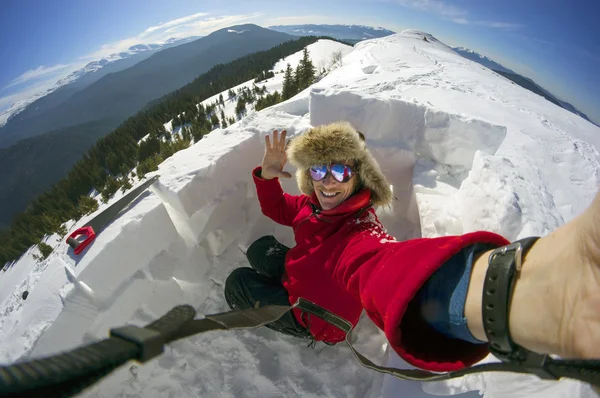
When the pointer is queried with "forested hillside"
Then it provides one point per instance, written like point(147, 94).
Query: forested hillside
point(108, 165)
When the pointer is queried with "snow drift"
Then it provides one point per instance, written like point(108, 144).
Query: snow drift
point(464, 150)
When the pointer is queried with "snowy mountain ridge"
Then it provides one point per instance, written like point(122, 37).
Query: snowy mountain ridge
point(89, 68)
point(517, 78)
point(480, 58)
point(96, 65)
point(464, 150)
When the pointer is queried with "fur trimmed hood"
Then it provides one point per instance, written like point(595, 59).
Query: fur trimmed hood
point(337, 142)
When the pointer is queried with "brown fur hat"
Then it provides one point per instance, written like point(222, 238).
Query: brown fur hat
point(337, 142)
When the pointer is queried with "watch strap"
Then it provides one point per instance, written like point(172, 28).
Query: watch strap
point(504, 265)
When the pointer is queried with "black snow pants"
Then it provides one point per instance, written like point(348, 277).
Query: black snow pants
point(245, 287)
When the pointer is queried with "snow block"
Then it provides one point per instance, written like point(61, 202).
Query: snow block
point(170, 278)
point(69, 327)
point(449, 139)
point(151, 298)
point(401, 218)
point(126, 246)
point(444, 138)
point(297, 105)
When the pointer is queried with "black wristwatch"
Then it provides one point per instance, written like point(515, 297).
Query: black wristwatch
point(504, 265)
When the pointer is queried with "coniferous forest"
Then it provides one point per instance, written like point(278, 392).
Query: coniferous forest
point(117, 157)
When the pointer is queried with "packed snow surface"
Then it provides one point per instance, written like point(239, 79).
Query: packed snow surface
point(464, 149)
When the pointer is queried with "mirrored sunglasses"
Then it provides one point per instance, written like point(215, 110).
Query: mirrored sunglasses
point(340, 172)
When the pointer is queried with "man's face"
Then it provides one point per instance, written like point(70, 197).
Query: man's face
point(331, 192)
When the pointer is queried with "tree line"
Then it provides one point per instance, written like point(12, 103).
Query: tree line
point(294, 81)
point(122, 154)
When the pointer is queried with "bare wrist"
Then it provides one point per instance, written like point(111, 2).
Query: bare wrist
point(261, 174)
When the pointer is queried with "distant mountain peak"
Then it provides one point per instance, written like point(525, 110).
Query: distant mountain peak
point(141, 47)
point(238, 29)
point(353, 33)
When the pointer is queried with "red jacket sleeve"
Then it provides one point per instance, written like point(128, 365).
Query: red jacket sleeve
point(385, 276)
point(274, 203)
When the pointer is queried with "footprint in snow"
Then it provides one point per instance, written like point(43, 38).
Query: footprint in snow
point(369, 69)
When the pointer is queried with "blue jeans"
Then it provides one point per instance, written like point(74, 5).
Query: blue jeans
point(442, 298)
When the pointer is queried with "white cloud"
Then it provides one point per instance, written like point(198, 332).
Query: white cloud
point(193, 25)
point(37, 73)
point(452, 13)
point(176, 22)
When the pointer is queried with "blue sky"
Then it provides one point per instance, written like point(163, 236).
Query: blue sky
point(556, 43)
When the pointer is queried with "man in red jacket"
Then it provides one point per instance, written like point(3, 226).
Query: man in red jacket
point(425, 294)
point(336, 200)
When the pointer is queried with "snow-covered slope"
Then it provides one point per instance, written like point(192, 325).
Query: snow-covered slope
point(464, 150)
point(320, 53)
point(18, 106)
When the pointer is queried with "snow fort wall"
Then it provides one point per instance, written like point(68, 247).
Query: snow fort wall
point(211, 197)
point(444, 138)
point(125, 246)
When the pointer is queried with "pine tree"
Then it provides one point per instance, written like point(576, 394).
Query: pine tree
point(240, 108)
point(214, 120)
point(297, 78)
point(125, 184)
point(221, 100)
point(268, 100)
point(111, 186)
point(185, 134)
point(87, 205)
point(307, 72)
point(45, 249)
point(288, 90)
point(176, 122)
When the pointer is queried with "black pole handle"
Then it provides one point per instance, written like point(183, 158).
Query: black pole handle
point(73, 243)
point(67, 374)
point(64, 375)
